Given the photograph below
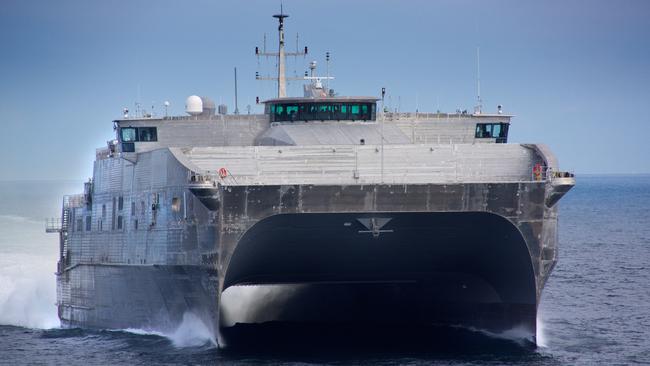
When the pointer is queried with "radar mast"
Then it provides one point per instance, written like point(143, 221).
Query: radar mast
point(282, 82)
point(281, 54)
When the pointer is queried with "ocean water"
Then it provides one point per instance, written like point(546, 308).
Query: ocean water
point(595, 308)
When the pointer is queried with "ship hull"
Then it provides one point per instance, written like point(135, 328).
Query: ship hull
point(146, 297)
point(299, 258)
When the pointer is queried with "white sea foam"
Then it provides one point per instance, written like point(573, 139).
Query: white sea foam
point(142, 332)
point(192, 332)
point(255, 303)
point(520, 335)
point(541, 332)
point(27, 291)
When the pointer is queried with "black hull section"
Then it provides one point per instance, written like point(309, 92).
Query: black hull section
point(467, 269)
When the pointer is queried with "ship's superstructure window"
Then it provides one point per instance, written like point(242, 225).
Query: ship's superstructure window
point(88, 223)
point(113, 207)
point(325, 111)
point(497, 131)
point(101, 220)
point(147, 134)
point(128, 134)
point(176, 204)
point(141, 134)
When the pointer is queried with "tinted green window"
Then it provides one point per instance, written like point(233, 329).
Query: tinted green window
point(132, 134)
point(128, 134)
point(322, 112)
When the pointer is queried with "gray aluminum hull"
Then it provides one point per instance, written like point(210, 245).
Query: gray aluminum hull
point(473, 255)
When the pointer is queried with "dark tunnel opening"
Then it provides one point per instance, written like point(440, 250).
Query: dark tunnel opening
point(468, 268)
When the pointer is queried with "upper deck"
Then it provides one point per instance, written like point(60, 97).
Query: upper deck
point(136, 135)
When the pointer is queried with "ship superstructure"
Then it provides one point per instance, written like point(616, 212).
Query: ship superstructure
point(415, 219)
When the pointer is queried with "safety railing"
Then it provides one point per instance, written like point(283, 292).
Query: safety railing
point(201, 179)
point(362, 165)
point(363, 177)
point(558, 174)
point(75, 200)
point(53, 225)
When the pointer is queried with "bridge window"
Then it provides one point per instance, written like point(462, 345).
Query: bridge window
point(147, 134)
point(330, 111)
point(134, 134)
point(498, 131)
point(128, 134)
point(128, 147)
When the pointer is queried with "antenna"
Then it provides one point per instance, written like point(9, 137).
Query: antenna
point(315, 89)
point(327, 66)
point(236, 104)
point(479, 102)
point(381, 133)
point(137, 103)
point(282, 87)
point(281, 78)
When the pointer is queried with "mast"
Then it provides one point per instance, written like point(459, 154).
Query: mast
point(281, 55)
point(282, 81)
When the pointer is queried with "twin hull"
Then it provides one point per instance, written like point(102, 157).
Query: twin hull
point(469, 254)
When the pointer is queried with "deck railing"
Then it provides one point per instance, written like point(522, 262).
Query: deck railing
point(53, 225)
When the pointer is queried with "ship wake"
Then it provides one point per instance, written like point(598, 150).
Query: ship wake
point(191, 332)
point(27, 291)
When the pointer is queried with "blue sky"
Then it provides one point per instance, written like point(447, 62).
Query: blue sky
point(575, 73)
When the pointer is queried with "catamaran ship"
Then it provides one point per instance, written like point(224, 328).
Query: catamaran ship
point(359, 216)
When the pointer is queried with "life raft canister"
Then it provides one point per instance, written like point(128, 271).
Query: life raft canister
point(537, 172)
point(223, 173)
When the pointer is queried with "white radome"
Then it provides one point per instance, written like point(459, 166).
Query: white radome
point(194, 105)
